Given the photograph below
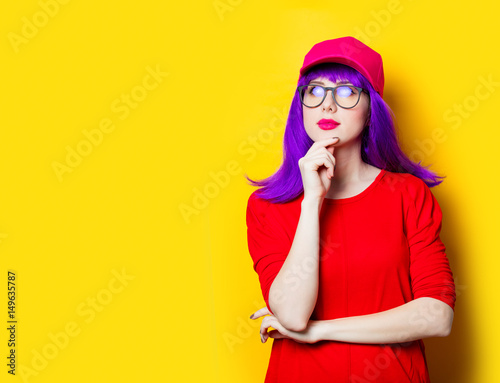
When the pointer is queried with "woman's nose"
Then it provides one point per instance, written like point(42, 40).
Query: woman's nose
point(329, 102)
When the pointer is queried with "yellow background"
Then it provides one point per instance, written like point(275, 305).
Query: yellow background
point(182, 314)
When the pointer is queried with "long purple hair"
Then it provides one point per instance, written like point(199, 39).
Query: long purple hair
point(379, 143)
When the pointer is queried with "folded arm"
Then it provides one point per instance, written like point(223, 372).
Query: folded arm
point(417, 319)
point(421, 318)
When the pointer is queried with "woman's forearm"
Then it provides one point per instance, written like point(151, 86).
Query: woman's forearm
point(293, 294)
point(417, 319)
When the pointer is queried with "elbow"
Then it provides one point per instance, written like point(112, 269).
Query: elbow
point(437, 315)
point(293, 324)
point(445, 323)
point(290, 320)
point(289, 317)
point(446, 332)
point(444, 329)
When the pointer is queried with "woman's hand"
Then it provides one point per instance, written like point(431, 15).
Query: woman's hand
point(309, 335)
point(317, 168)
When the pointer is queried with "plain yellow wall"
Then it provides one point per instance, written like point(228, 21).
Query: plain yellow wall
point(126, 131)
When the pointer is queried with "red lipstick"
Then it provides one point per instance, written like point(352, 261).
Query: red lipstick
point(328, 124)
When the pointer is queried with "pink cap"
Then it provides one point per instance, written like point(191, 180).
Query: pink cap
point(351, 52)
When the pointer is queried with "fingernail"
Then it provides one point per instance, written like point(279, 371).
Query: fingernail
point(261, 339)
point(251, 316)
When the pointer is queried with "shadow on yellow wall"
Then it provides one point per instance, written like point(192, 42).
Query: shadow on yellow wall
point(452, 359)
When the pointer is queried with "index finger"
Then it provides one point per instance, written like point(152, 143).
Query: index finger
point(331, 147)
point(328, 141)
point(261, 312)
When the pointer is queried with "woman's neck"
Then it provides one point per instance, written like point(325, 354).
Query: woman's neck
point(352, 175)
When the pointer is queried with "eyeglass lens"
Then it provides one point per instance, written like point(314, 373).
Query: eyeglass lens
point(346, 96)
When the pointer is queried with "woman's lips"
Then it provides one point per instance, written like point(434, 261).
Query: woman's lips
point(328, 124)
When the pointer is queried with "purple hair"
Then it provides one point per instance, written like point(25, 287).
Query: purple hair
point(379, 143)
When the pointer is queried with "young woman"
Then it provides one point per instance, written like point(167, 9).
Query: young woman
point(345, 235)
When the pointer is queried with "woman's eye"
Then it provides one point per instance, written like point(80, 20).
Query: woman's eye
point(345, 91)
point(317, 91)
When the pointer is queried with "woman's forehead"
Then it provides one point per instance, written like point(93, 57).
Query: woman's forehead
point(325, 81)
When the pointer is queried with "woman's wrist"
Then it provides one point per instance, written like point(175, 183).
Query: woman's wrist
point(311, 202)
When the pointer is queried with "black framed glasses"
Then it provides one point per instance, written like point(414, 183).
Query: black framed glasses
point(345, 96)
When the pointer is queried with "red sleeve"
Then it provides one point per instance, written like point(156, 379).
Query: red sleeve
point(430, 271)
point(268, 242)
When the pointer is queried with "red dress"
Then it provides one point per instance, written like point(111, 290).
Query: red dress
point(378, 250)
